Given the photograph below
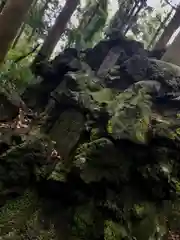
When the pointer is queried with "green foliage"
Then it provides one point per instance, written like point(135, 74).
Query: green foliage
point(114, 231)
point(93, 160)
point(90, 28)
point(41, 17)
point(60, 172)
point(16, 75)
point(148, 27)
point(22, 219)
point(87, 222)
point(35, 18)
point(14, 214)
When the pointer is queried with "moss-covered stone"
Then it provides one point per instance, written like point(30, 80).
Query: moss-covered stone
point(117, 155)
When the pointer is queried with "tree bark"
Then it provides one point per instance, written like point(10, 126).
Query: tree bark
point(56, 31)
point(11, 19)
point(169, 30)
point(173, 52)
point(161, 26)
point(23, 26)
point(45, 7)
point(34, 28)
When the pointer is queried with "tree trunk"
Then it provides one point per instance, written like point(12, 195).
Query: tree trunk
point(21, 30)
point(45, 7)
point(11, 19)
point(34, 28)
point(169, 30)
point(56, 31)
point(173, 52)
point(157, 33)
point(41, 13)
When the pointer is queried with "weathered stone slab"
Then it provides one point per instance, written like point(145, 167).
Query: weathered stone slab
point(109, 61)
point(66, 131)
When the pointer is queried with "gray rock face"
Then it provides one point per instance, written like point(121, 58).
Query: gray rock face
point(151, 86)
point(66, 131)
point(138, 69)
point(52, 74)
point(131, 63)
point(135, 67)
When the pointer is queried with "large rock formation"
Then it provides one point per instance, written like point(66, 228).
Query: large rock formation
point(113, 117)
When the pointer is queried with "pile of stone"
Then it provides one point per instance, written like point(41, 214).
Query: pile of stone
point(112, 113)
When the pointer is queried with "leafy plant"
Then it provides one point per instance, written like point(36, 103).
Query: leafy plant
point(93, 20)
point(16, 75)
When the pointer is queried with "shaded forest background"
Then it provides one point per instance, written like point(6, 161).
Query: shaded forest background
point(85, 25)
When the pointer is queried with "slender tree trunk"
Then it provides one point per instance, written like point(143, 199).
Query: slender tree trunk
point(11, 19)
point(23, 26)
point(169, 30)
point(42, 12)
point(35, 27)
point(45, 7)
point(133, 17)
point(161, 26)
point(172, 55)
point(2, 4)
point(56, 31)
point(21, 30)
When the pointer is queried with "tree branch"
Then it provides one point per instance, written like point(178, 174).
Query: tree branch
point(28, 54)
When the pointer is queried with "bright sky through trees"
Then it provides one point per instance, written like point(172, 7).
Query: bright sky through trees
point(113, 5)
